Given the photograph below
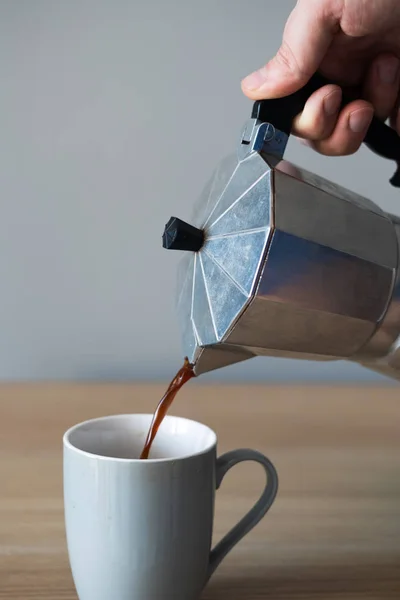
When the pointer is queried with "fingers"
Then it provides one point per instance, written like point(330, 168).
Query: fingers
point(349, 132)
point(342, 134)
point(318, 119)
point(332, 132)
point(307, 36)
point(381, 86)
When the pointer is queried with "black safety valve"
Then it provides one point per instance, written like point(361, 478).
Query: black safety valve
point(179, 235)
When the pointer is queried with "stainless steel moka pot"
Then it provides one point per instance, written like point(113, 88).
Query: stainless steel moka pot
point(280, 262)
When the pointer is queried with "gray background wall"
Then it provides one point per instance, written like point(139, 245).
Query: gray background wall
point(112, 115)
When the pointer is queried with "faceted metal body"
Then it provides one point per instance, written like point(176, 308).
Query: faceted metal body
point(292, 266)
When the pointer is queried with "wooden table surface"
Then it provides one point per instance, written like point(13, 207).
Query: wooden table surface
point(333, 532)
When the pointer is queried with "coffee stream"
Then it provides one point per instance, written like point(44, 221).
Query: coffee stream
point(183, 375)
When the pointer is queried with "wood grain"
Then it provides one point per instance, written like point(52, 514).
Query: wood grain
point(334, 530)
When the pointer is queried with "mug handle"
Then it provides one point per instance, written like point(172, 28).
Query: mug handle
point(255, 514)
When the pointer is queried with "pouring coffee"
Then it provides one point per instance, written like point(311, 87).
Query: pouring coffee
point(281, 262)
point(183, 375)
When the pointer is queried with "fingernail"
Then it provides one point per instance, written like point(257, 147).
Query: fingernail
point(388, 70)
point(332, 103)
point(360, 119)
point(254, 80)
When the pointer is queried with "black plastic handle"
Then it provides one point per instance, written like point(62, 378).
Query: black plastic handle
point(280, 112)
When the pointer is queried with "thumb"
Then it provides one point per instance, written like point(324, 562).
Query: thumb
point(307, 36)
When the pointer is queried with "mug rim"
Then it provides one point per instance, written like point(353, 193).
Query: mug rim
point(68, 445)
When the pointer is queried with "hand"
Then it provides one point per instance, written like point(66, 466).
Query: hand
point(355, 43)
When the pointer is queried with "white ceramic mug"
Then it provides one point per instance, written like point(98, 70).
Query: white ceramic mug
point(142, 529)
